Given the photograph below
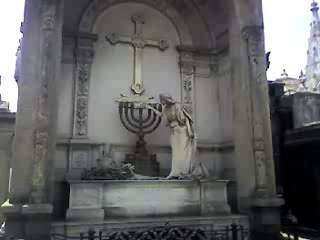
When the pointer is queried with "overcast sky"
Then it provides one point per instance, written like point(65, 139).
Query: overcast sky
point(287, 25)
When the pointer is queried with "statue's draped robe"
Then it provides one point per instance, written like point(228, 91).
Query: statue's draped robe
point(183, 144)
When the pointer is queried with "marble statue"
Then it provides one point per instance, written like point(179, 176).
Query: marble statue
point(183, 141)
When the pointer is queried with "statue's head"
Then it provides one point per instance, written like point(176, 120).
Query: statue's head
point(166, 99)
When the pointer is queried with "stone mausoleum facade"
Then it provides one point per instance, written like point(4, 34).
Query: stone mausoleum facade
point(78, 56)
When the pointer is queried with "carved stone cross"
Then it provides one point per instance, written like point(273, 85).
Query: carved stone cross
point(138, 43)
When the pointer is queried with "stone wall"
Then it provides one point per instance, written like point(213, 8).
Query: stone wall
point(102, 71)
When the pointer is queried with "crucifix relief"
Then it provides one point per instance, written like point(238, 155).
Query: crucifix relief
point(138, 43)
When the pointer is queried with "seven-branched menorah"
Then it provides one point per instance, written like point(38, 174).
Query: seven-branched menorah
point(140, 120)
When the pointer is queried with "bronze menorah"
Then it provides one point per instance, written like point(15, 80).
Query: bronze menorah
point(136, 120)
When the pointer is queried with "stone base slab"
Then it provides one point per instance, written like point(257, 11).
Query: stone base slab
point(72, 228)
point(147, 198)
point(85, 214)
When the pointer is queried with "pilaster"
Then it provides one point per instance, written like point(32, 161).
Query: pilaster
point(83, 61)
point(261, 141)
point(252, 130)
point(29, 211)
point(187, 71)
point(23, 144)
point(46, 101)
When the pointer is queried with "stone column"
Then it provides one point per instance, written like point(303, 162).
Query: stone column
point(35, 131)
point(252, 131)
point(46, 102)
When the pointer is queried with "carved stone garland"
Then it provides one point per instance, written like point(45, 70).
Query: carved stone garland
point(84, 59)
point(255, 42)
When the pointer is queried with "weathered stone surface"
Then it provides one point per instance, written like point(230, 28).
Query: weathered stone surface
point(252, 131)
point(306, 110)
point(214, 199)
point(147, 198)
point(22, 160)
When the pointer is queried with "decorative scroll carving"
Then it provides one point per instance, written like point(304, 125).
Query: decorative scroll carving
point(83, 79)
point(187, 85)
point(41, 153)
point(85, 55)
point(260, 158)
point(82, 117)
point(187, 69)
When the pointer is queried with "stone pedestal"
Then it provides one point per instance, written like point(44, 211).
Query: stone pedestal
point(146, 198)
point(144, 163)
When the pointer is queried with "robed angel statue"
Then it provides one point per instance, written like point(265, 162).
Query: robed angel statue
point(183, 141)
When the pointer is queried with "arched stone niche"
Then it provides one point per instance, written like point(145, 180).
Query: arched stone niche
point(103, 71)
point(112, 70)
point(190, 25)
point(187, 23)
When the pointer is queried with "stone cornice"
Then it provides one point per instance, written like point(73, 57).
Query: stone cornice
point(203, 146)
